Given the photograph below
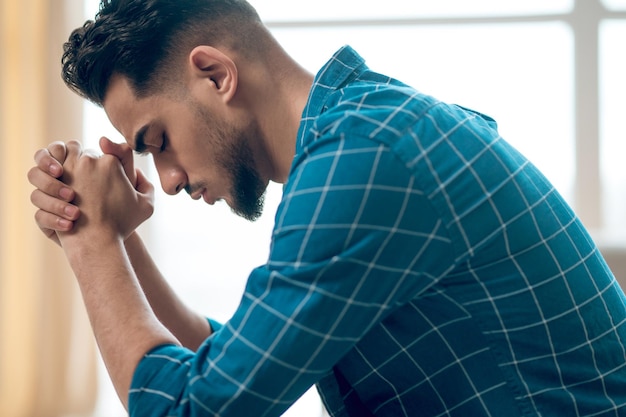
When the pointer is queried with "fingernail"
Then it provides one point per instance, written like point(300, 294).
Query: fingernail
point(71, 211)
point(55, 169)
point(65, 193)
point(65, 224)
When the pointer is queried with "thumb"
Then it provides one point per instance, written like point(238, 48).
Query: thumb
point(124, 153)
point(146, 190)
point(144, 186)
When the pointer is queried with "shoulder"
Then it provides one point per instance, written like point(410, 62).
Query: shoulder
point(373, 107)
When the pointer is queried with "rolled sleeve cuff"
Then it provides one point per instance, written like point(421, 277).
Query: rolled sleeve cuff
point(159, 381)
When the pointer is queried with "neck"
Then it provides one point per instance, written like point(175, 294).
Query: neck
point(277, 91)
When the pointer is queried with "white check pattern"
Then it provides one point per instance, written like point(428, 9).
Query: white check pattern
point(420, 266)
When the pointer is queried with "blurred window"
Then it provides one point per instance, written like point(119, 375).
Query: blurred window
point(533, 66)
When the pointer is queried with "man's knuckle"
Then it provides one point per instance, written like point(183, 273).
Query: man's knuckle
point(39, 216)
point(40, 153)
point(60, 207)
point(57, 150)
point(31, 174)
point(33, 196)
point(109, 161)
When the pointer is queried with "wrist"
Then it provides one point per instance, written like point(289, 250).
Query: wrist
point(86, 242)
point(94, 256)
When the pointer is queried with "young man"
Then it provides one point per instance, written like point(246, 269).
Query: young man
point(419, 264)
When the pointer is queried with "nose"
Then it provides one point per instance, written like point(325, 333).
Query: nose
point(173, 178)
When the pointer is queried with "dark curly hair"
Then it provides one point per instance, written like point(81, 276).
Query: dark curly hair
point(140, 39)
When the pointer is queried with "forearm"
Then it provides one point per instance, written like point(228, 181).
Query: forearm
point(190, 328)
point(122, 321)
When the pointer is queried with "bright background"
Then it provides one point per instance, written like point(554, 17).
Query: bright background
point(551, 72)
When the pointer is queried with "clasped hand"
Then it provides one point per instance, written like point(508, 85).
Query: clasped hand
point(104, 195)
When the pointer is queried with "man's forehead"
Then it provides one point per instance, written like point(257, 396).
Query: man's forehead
point(124, 111)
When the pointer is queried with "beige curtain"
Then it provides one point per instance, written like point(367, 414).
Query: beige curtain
point(47, 353)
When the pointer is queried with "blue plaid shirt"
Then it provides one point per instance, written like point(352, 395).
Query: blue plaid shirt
point(420, 266)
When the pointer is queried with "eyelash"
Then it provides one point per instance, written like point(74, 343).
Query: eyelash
point(163, 142)
point(161, 148)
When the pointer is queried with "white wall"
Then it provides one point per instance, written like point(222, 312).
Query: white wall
point(616, 258)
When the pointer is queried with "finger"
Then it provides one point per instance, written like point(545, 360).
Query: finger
point(146, 190)
point(50, 224)
point(143, 185)
point(47, 163)
point(91, 153)
point(54, 206)
point(50, 185)
point(58, 151)
point(74, 151)
point(112, 148)
point(124, 153)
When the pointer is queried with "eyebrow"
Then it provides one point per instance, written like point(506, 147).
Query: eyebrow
point(140, 143)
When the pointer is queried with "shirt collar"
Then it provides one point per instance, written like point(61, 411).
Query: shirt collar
point(345, 65)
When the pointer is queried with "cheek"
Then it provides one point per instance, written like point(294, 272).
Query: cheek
point(204, 162)
point(209, 144)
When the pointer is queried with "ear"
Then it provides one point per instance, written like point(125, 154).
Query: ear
point(212, 65)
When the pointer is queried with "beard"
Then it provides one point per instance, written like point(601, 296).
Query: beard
point(248, 189)
point(233, 150)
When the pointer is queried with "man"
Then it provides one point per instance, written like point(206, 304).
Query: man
point(419, 264)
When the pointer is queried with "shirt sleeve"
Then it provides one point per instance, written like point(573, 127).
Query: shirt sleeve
point(354, 238)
